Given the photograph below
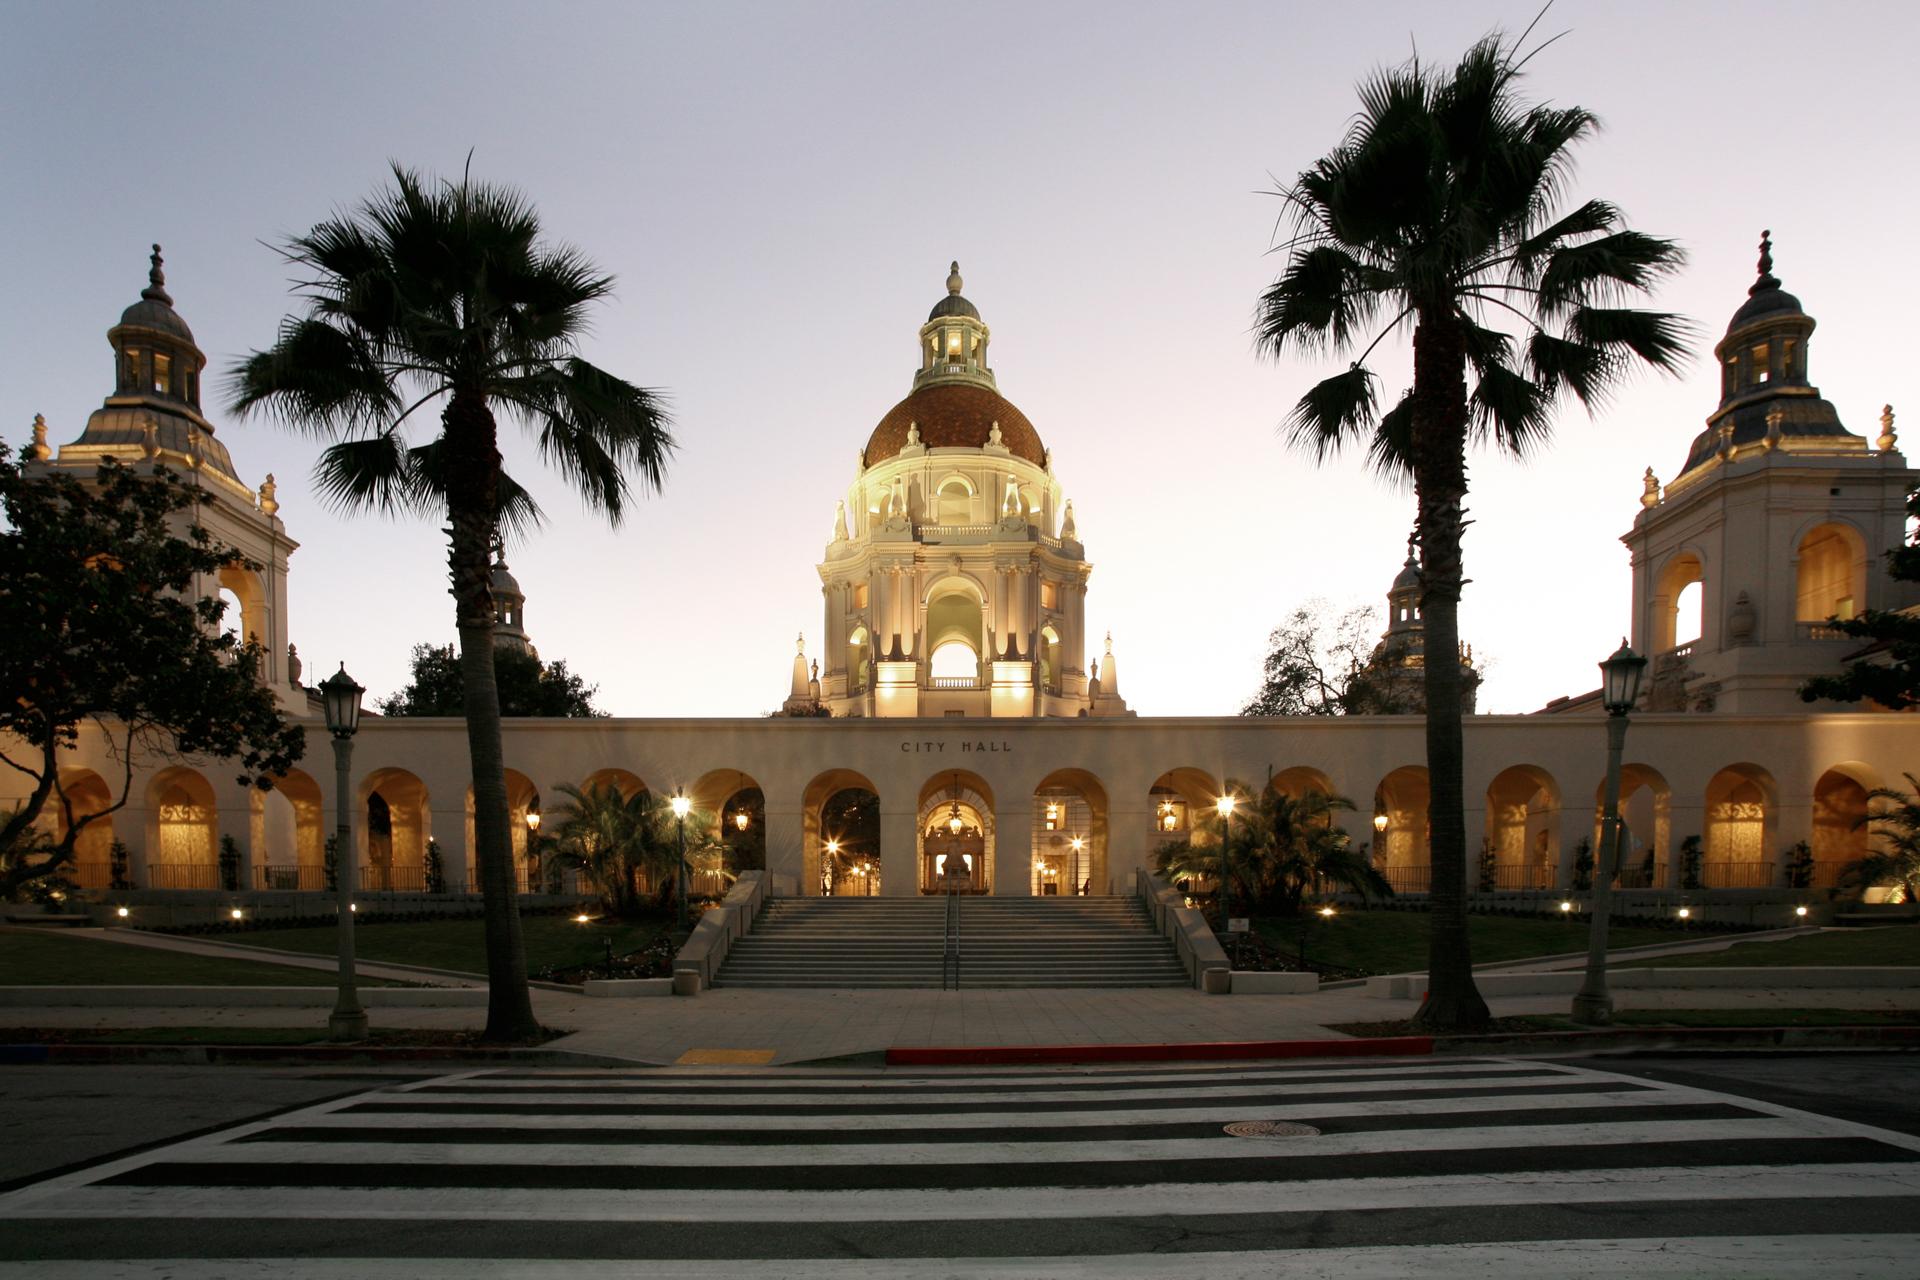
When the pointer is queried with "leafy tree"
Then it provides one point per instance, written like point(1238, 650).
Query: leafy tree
point(1897, 862)
point(620, 842)
point(1316, 665)
point(102, 628)
point(444, 294)
point(1890, 673)
point(528, 687)
point(436, 868)
point(1440, 212)
point(1278, 849)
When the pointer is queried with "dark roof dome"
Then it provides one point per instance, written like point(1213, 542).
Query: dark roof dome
point(155, 308)
point(1409, 576)
point(952, 415)
point(1766, 300)
point(953, 304)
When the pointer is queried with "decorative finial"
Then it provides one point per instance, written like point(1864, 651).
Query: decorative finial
point(1650, 494)
point(149, 438)
point(38, 450)
point(1067, 527)
point(1413, 556)
point(913, 434)
point(1109, 642)
point(840, 521)
point(499, 552)
point(293, 665)
point(1886, 441)
point(993, 435)
point(953, 278)
point(801, 644)
point(816, 668)
point(1766, 280)
point(268, 503)
point(156, 290)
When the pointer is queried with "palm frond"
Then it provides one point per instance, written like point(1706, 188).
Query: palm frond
point(1319, 301)
point(375, 473)
point(1659, 338)
point(1511, 410)
point(1335, 412)
point(1585, 370)
point(317, 378)
point(1604, 270)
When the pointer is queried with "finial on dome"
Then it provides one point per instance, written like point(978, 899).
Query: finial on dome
point(268, 502)
point(1766, 280)
point(156, 290)
point(1650, 490)
point(1887, 438)
point(953, 277)
point(38, 450)
point(800, 644)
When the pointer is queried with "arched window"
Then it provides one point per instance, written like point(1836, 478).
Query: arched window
point(1678, 603)
point(954, 660)
point(1832, 571)
point(956, 502)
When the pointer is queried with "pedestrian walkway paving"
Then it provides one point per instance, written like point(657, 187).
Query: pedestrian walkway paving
point(1368, 1169)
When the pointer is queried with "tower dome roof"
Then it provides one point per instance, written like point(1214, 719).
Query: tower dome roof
point(1766, 300)
point(155, 310)
point(953, 304)
point(952, 415)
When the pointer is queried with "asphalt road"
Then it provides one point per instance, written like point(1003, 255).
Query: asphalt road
point(1880, 1089)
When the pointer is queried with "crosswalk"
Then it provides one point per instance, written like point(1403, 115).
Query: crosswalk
point(1468, 1167)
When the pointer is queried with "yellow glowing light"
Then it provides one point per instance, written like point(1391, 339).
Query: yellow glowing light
point(533, 820)
point(1078, 844)
point(353, 906)
point(582, 918)
point(123, 913)
point(1566, 906)
point(1225, 805)
point(833, 846)
point(1379, 822)
point(681, 806)
point(1798, 911)
point(236, 913)
point(1326, 913)
point(740, 820)
point(1685, 912)
point(1168, 822)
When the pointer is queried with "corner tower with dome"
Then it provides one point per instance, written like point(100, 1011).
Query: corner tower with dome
point(955, 584)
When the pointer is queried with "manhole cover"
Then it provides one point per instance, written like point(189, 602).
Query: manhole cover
point(1271, 1129)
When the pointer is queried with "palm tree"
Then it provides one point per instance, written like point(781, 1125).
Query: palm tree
point(443, 294)
point(618, 841)
point(1293, 842)
point(1897, 863)
point(1439, 212)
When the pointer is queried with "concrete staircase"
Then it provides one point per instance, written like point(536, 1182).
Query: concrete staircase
point(1004, 942)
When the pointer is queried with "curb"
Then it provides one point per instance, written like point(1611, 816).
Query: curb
point(1213, 1051)
point(290, 1055)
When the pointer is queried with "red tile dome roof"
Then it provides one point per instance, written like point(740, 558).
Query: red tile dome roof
point(955, 415)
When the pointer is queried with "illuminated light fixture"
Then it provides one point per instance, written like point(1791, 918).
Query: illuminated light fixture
point(123, 913)
point(1078, 843)
point(1326, 913)
point(1686, 912)
point(582, 918)
point(353, 906)
point(1225, 805)
point(680, 804)
point(1566, 906)
point(833, 847)
point(236, 913)
point(1380, 821)
point(533, 821)
point(1167, 822)
point(1798, 911)
point(740, 820)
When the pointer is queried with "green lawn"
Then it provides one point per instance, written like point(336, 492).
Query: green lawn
point(44, 958)
point(1396, 941)
point(1887, 945)
point(552, 941)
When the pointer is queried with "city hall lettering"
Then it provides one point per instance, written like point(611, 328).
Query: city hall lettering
point(966, 748)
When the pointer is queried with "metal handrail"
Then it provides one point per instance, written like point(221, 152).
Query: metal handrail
point(950, 943)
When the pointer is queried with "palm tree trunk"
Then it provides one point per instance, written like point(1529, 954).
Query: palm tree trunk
point(1453, 1003)
point(472, 489)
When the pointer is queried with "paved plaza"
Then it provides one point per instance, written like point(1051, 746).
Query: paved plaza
point(1468, 1167)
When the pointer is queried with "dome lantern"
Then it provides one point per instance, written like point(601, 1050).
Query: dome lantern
point(953, 341)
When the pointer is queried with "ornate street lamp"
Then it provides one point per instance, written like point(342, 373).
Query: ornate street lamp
point(340, 697)
point(681, 805)
point(1225, 807)
point(1619, 688)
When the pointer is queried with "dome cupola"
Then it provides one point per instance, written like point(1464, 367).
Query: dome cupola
point(1765, 397)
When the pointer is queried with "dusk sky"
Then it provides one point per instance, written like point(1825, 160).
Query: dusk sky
point(779, 189)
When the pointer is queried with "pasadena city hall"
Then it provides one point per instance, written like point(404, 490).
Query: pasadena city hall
point(955, 679)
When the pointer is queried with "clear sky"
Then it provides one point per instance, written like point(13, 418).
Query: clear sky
point(779, 187)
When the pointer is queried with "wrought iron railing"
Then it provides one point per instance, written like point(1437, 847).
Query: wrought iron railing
point(392, 879)
point(1737, 875)
point(1641, 876)
point(295, 879)
point(183, 876)
point(1512, 879)
point(1414, 879)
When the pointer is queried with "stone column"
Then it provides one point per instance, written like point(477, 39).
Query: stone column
point(899, 851)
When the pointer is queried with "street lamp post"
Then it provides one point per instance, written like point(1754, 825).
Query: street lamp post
point(1225, 807)
point(1620, 686)
point(340, 696)
point(826, 869)
point(680, 806)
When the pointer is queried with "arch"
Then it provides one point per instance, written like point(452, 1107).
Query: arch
point(243, 584)
point(181, 854)
point(1677, 622)
point(397, 822)
point(842, 808)
point(736, 810)
point(954, 500)
point(1830, 573)
point(1401, 848)
point(626, 782)
point(954, 660)
point(1300, 780)
point(956, 614)
point(1740, 817)
point(1840, 831)
point(1049, 658)
point(1523, 826)
point(1646, 828)
point(1177, 801)
point(949, 860)
point(90, 799)
point(290, 833)
point(859, 661)
point(1070, 805)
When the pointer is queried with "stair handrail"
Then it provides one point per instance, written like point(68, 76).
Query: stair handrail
point(950, 943)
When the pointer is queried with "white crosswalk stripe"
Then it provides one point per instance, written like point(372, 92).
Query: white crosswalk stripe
point(1431, 1167)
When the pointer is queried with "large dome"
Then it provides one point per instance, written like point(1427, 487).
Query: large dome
point(955, 415)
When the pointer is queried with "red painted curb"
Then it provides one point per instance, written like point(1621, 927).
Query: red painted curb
point(989, 1055)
